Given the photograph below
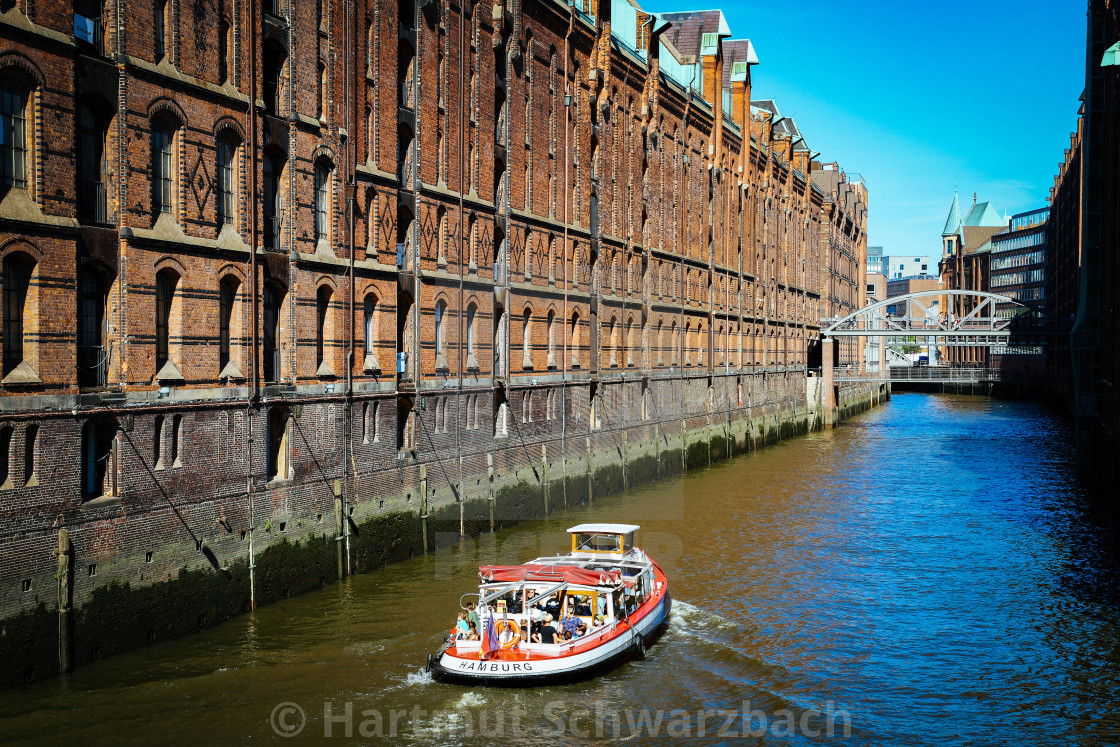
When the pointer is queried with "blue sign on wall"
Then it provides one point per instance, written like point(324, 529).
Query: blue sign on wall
point(83, 28)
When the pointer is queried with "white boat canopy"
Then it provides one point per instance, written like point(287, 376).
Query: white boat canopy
point(604, 529)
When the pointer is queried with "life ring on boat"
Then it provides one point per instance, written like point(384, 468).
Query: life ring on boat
point(501, 626)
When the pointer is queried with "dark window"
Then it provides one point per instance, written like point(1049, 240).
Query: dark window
point(273, 166)
point(17, 277)
point(163, 138)
point(322, 308)
point(30, 450)
point(91, 166)
point(227, 294)
point(273, 297)
point(368, 323)
point(92, 356)
point(97, 457)
point(161, 28)
point(165, 290)
point(13, 134)
point(224, 34)
point(157, 443)
point(273, 66)
point(5, 454)
point(227, 178)
point(176, 435)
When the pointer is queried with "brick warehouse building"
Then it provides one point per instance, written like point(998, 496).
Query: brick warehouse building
point(293, 290)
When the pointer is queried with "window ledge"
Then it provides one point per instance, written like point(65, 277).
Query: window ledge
point(441, 363)
point(21, 375)
point(102, 501)
point(278, 482)
point(325, 371)
point(472, 362)
point(231, 371)
point(169, 373)
point(371, 364)
point(17, 205)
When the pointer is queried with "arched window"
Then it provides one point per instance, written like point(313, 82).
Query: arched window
point(322, 331)
point(17, 269)
point(225, 44)
point(322, 200)
point(163, 167)
point(574, 336)
point(164, 27)
point(92, 355)
point(321, 113)
point(551, 363)
point(369, 328)
point(227, 295)
point(526, 341)
point(472, 311)
point(376, 424)
point(167, 282)
point(227, 178)
point(441, 311)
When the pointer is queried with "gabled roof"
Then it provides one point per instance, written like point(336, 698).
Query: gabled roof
point(983, 214)
point(954, 221)
point(689, 27)
point(975, 238)
point(785, 125)
point(737, 50)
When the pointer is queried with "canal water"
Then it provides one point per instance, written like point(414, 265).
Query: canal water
point(927, 573)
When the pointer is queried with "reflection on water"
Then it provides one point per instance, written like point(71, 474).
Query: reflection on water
point(923, 574)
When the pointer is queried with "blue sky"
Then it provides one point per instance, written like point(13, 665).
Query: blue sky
point(919, 96)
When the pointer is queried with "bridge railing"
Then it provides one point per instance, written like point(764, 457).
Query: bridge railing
point(946, 374)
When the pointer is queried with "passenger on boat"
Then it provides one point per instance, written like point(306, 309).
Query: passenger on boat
point(536, 613)
point(472, 616)
point(473, 634)
point(547, 633)
point(599, 621)
point(602, 605)
point(462, 627)
point(581, 630)
point(552, 606)
point(569, 624)
point(582, 606)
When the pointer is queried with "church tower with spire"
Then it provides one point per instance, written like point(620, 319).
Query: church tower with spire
point(951, 234)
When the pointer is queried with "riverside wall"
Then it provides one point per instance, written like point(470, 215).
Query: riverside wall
point(134, 577)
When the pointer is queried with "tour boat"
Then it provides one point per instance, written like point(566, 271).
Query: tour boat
point(606, 588)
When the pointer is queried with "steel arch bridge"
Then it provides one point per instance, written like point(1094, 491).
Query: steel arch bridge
point(980, 326)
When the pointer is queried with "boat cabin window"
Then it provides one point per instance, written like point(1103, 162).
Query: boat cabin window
point(587, 542)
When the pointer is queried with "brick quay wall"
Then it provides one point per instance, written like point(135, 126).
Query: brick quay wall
point(175, 565)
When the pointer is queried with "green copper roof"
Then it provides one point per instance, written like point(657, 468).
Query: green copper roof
point(953, 222)
point(983, 214)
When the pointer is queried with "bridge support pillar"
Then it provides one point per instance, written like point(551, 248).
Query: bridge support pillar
point(828, 383)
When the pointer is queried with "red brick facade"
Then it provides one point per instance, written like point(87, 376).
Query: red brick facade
point(223, 249)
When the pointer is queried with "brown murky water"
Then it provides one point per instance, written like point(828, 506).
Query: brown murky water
point(925, 574)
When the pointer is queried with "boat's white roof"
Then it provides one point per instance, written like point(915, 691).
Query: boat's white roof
point(604, 528)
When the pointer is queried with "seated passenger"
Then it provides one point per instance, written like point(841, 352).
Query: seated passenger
point(547, 633)
point(552, 607)
point(473, 634)
point(581, 631)
point(599, 621)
